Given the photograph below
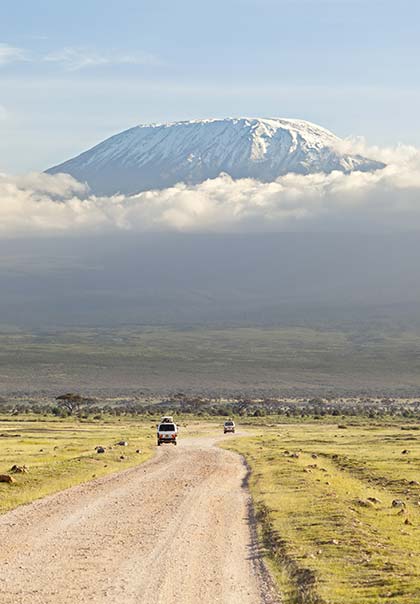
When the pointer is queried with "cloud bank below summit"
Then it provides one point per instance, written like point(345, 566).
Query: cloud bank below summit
point(384, 200)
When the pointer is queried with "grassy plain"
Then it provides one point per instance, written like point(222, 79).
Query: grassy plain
point(324, 496)
point(61, 453)
point(323, 493)
point(290, 360)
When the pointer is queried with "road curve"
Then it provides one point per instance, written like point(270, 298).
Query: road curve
point(174, 529)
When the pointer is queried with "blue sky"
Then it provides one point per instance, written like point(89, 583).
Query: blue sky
point(73, 73)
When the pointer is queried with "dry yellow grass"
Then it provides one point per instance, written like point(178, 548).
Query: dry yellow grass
point(328, 541)
point(61, 453)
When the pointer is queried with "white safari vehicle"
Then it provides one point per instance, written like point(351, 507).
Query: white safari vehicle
point(229, 426)
point(167, 431)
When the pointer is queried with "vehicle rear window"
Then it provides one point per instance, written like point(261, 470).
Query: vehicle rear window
point(166, 428)
point(229, 424)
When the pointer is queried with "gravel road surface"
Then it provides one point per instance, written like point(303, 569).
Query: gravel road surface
point(174, 529)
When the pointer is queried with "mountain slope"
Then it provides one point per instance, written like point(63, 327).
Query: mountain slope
point(161, 155)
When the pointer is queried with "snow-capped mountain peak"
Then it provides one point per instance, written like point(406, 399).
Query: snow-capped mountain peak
point(153, 156)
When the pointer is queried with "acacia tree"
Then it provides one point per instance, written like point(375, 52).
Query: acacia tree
point(73, 403)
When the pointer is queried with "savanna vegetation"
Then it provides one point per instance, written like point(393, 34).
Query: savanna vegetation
point(338, 509)
point(327, 408)
point(335, 483)
point(43, 457)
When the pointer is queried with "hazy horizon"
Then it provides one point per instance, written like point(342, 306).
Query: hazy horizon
point(211, 279)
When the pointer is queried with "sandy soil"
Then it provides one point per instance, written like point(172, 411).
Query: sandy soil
point(175, 529)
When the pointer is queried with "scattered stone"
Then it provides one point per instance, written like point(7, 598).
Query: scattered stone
point(414, 483)
point(342, 427)
point(122, 443)
point(402, 512)
point(405, 452)
point(408, 522)
point(398, 503)
point(123, 457)
point(363, 503)
point(295, 455)
point(138, 451)
point(314, 456)
point(374, 500)
point(7, 478)
point(313, 466)
point(100, 449)
point(334, 542)
point(19, 469)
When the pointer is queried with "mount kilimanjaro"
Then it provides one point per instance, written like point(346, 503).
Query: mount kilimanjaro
point(157, 156)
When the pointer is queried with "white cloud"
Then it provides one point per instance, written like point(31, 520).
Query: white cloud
point(74, 59)
point(11, 54)
point(387, 199)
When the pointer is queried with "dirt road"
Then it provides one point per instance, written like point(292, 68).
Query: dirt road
point(174, 529)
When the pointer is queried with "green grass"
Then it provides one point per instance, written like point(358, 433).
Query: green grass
point(61, 453)
point(325, 543)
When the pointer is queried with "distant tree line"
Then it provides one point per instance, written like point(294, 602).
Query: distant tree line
point(74, 404)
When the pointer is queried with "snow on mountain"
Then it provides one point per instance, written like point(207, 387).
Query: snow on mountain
point(157, 156)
